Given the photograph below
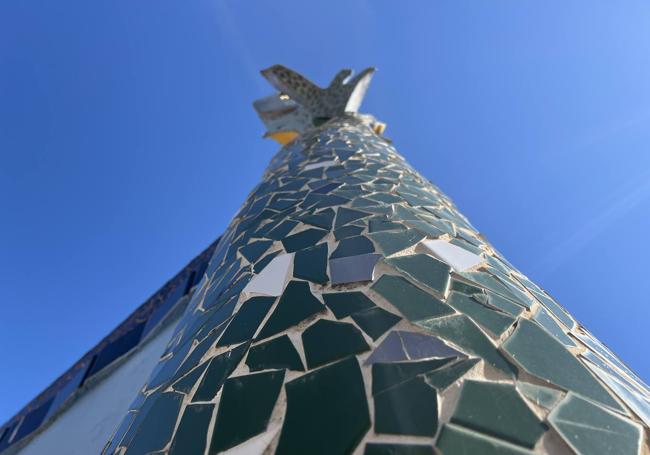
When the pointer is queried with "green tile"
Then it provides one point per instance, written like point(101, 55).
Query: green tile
point(326, 341)
point(311, 264)
point(254, 250)
point(155, 427)
point(543, 356)
point(504, 304)
point(423, 269)
point(591, 430)
point(375, 321)
point(322, 219)
point(185, 384)
point(277, 353)
point(303, 239)
point(353, 246)
point(444, 377)
point(492, 320)
point(411, 301)
point(455, 440)
point(259, 265)
point(281, 231)
point(386, 375)
point(327, 411)
point(245, 408)
point(392, 242)
point(191, 436)
point(347, 231)
point(296, 304)
point(343, 304)
point(381, 224)
point(497, 410)
point(462, 332)
point(543, 318)
point(218, 371)
point(541, 396)
point(380, 448)
point(345, 216)
point(409, 408)
point(246, 321)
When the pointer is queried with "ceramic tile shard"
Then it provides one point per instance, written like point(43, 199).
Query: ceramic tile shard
point(392, 242)
point(375, 321)
point(457, 257)
point(353, 269)
point(270, 281)
point(540, 395)
point(353, 246)
point(455, 440)
point(246, 321)
point(303, 239)
point(494, 321)
point(401, 345)
point(277, 353)
point(375, 448)
point(591, 430)
point(218, 370)
point(344, 304)
point(424, 269)
point(320, 164)
point(337, 392)
point(408, 408)
point(190, 438)
point(386, 375)
point(311, 264)
point(327, 341)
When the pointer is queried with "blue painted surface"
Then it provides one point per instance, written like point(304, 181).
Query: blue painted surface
point(127, 142)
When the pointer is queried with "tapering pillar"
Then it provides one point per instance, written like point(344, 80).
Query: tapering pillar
point(351, 308)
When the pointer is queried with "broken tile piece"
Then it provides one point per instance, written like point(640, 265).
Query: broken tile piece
point(591, 430)
point(246, 321)
point(458, 258)
point(218, 370)
point(245, 408)
point(345, 216)
point(392, 242)
point(303, 239)
point(543, 356)
point(541, 396)
point(326, 341)
point(296, 304)
point(444, 377)
point(377, 448)
point(277, 353)
point(402, 345)
point(412, 302)
point(409, 408)
point(270, 281)
point(318, 165)
point(254, 250)
point(189, 438)
point(157, 424)
point(386, 375)
point(353, 246)
point(544, 319)
point(375, 321)
point(337, 392)
point(353, 269)
point(423, 269)
point(256, 445)
point(455, 440)
point(498, 410)
point(492, 320)
point(311, 264)
point(462, 332)
point(343, 304)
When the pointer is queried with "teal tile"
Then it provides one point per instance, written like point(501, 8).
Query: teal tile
point(246, 321)
point(155, 426)
point(462, 332)
point(386, 375)
point(541, 396)
point(327, 341)
point(218, 370)
point(353, 246)
point(543, 318)
point(378, 224)
point(392, 242)
point(185, 384)
point(311, 264)
point(345, 216)
point(245, 408)
point(424, 269)
point(444, 377)
point(347, 231)
point(343, 304)
point(191, 436)
point(499, 411)
point(409, 408)
point(495, 322)
point(382, 448)
point(411, 301)
point(327, 411)
point(254, 250)
point(455, 440)
point(543, 356)
point(504, 304)
point(281, 231)
point(375, 321)
point(296, 304)
point(303, 239)
point(322, 219)
point(259, 265)
point(277, 353)
point(591, 430)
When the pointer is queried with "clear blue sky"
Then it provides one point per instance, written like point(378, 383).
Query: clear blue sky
point(127, 142)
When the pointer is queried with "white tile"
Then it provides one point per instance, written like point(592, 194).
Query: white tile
point(458, 258)
point(311, 166)
point(271, 280)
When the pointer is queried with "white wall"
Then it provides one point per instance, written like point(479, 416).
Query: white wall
point(84, 428)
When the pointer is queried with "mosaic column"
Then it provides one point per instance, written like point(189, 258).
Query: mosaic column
point(351, 308)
